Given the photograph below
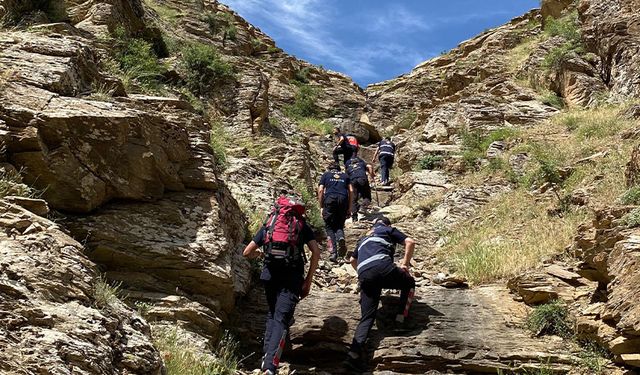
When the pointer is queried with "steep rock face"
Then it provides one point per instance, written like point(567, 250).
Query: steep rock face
point(48, 322)
point(83, 153)
point(611, 31)
point(471, 88)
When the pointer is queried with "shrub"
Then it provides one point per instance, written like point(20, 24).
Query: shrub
point(475, 145)
point(11, 184)
point(204, 68)
point(311, 203)
point(220, 21)
point(304, 104)
point(182, 359)
point(302, 75)
point(136, 60)
point(430, 161)
point(219, 140)
point(105, 295)
point(593, 357)
point(552, 99)
point(567, 27)
point(550, 319)
point(631, 196)
point(315, 125)
point(632, 219)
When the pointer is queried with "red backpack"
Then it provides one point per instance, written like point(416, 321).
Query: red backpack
point(283, 227)
point(353, 141)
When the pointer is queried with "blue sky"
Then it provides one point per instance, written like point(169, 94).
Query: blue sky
point(374, 40)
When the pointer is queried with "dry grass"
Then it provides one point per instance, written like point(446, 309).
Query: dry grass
point(517, 56)
point(516, 232)
point(513, 234)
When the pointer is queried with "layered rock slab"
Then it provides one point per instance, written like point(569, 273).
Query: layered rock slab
point(451, 330)
point(48, 319)
point(180, 253)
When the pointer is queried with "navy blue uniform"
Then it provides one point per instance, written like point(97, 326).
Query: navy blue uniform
point(357, 170)
point(386, 155)
point(335, 204)
point(282, 285)
point(343, 149)
point(377, 271)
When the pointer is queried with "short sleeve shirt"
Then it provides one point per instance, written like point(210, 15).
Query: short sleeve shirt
point(335, 183)
point(356, 168)
point(366, 250)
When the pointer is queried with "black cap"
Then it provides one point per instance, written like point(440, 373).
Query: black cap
point(382, 220)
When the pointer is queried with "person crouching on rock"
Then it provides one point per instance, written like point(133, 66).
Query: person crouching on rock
point(357, 169)
point(335, 195)
point(282, 239)
point(373, 260)
point(342, 147)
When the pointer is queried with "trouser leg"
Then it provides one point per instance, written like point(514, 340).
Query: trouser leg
point(369, 299)
point(336, 155)
point(283, 313)
point(348, 154)
point(271, 293)
point(399, 279)
point(366, 193)
point(384, 169)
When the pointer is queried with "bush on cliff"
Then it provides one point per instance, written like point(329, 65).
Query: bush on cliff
point(204, 68)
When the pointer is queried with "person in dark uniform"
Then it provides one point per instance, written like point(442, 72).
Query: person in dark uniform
point(335, 195)
point(373, 260)
point(342, 147)
point(357, 169)
point(284, 286)
point(385, 153)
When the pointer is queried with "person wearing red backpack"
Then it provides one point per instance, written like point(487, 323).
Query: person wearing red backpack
point(282, 239)
point(335, 195)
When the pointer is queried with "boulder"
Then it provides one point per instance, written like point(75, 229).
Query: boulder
point(188, 243)
point(50, 320)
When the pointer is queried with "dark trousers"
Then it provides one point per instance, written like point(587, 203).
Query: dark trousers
point(372, 281)
point(361, 190)
point(282, 298)
point(386, 163)
point(334, 213)
point(347, 151)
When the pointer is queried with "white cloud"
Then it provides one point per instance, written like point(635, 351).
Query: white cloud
point(396, 19)
point(307, 22)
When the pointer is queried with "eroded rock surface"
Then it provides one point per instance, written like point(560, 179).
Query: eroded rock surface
point(49, 322)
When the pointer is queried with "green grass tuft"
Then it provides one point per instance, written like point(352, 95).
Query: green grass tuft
point(11, 184)
point(631, 196)
point(219, 140)
point(550, 319)
point(181, 359)
point(430, 161)
point(304, 105)
point(315, 125)
point(105, 295)
point(311, 203)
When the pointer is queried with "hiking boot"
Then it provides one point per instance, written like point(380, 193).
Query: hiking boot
point(268, 372)
point(355, 363)
point(354, 217)
point(333, 258)
point(342, 247)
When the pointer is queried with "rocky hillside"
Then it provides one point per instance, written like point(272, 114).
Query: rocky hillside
point(142, 142)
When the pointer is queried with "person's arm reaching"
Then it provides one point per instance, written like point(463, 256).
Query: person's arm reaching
point(252, 250)
point(371, 172)
point(313, 265)
point(354, 263)
point(409, 246)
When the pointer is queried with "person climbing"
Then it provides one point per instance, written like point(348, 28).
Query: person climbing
point(342, 147)
point(358, 169)
point(385, 153)
point(354, 143)
point(282, 239)
point(335, 195)
point(373, 260)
